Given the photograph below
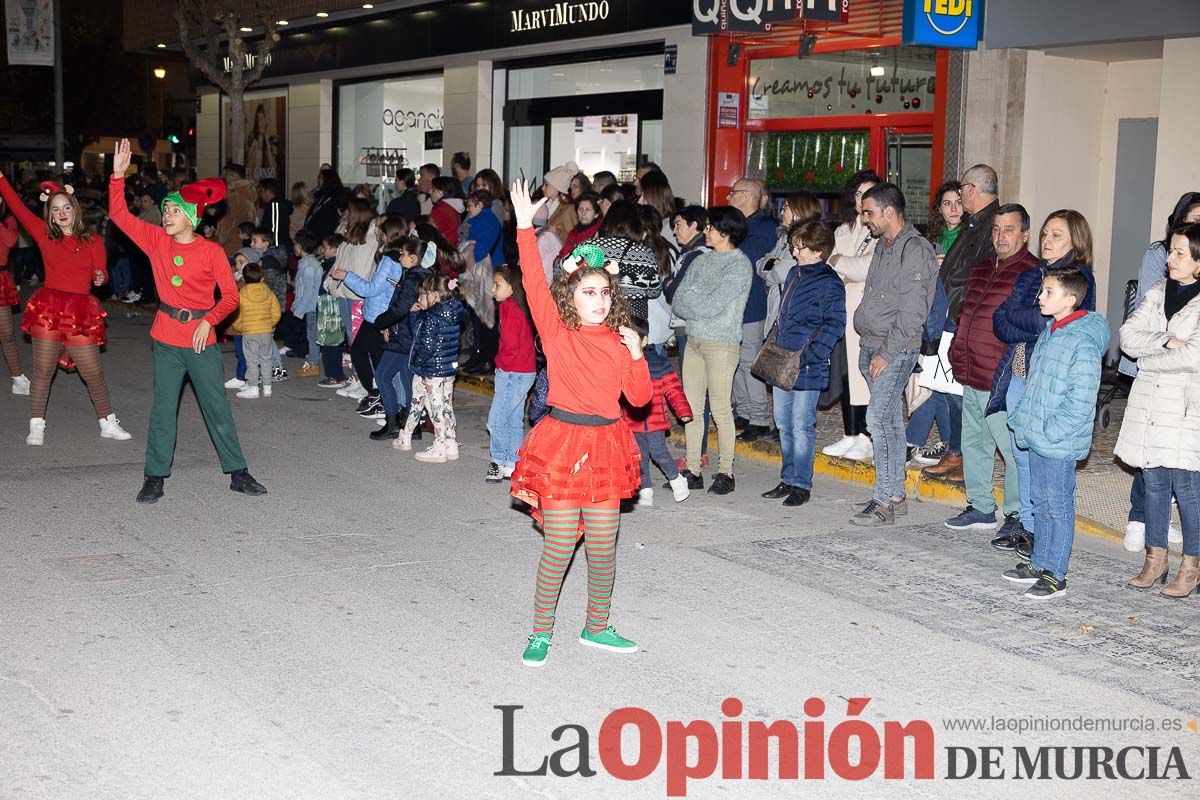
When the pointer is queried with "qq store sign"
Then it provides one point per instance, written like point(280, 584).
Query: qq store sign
point(943, 23)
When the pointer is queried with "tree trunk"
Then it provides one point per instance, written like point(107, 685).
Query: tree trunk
point(237, 123)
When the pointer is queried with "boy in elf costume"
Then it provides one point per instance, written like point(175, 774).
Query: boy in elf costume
point(187, 269)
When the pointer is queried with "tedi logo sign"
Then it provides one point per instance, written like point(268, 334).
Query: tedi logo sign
point(942, 23)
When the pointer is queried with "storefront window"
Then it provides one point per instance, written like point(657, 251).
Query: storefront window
point(392, 119)
point(864, 82)
point(591, 77)
point(812, 161)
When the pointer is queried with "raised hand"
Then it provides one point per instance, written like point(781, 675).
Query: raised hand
point(524, 208)
point(121, 158)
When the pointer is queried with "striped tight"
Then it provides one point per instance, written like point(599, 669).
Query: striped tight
point(86, 354)
point(561, 523)
point(8, 341)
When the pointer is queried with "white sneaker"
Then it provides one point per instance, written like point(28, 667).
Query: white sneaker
point(839, 448)
point(358, 393)
point(132, 297)
point(506, 472)
point(110, 428)
point(37, 431)
point(266, 391)
point(862, 450)
point(645, 497)
point(20, 384)
point(1174, 535)
point(1135, 537)
point(351, 386)
point(235, 383)
point(249, 393)
point(680, 489)
point(451, 450)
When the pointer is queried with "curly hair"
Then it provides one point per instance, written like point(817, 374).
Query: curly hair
point(78, 228)
point(563, 290)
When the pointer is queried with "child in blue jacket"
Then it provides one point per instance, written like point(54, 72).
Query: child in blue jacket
point(1053, 421)
point(437, 328)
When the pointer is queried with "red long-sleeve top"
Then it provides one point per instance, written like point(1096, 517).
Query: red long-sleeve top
point(8, 237)
point(516, 352)
point(71, 263)
point(204, 269)
point(589, 367)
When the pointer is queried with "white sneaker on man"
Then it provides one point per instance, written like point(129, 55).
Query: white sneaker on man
point(249, 393)
point(37, 431)
point(645, 497)
point(842, 446)
point(358, 393)
point(680, 489)
point(1135, 536)
point(132, 297)
point(20, 384)
point(266, 391)
point(352, 387)
point(235, 383)
point(110, 428)
point(862, 450)
point(506, 471)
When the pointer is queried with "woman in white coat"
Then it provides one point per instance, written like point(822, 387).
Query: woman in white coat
point(1161, 430)
point(853, 250)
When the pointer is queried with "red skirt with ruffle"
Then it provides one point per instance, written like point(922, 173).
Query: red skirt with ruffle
point(8, 289)
point(583, 463)
point(65, 312)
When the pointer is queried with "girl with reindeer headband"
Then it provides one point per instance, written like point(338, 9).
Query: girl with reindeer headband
point(63, 314)
point(579, 462)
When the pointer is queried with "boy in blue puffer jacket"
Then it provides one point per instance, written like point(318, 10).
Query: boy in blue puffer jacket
point(438, 317)
point(1053, 421)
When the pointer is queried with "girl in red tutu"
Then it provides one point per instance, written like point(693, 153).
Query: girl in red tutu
point(63, 313)
point(579, 462)
point(8, 299)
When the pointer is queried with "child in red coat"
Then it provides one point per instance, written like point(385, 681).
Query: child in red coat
point(650, 423)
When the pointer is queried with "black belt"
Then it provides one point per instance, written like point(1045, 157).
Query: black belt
point(590, 420)
point(184, 315)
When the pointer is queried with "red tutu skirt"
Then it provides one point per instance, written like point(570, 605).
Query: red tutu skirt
point(65, 312)
point(584, 463)
point(8, 289)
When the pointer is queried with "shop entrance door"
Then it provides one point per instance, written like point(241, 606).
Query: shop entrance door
point(910, 166)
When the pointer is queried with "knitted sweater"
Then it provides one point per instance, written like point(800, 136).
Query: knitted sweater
point(639, 277)
point(713, 294)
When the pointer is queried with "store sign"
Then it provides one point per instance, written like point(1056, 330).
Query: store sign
point(558, 15)
point(842, 83)
point(748, 16)
point(728, 106)
point(527, 21)
point(943, 23)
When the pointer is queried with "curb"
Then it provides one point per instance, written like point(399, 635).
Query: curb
point(915, 483)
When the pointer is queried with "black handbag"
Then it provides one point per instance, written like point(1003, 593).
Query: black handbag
point(777, 365)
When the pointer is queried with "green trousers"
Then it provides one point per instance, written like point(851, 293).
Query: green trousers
point(982, 436)
point(171, 366)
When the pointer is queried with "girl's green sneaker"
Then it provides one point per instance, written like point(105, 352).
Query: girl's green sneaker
point(607, 639)
point(536, 650)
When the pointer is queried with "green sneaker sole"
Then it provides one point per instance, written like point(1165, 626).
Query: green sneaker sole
point(529, 662)
point(610, 648)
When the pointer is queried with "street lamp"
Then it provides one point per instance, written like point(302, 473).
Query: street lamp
point(160, 73)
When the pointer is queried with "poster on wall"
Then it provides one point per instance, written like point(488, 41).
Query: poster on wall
point(263, 151)
point(29, 28)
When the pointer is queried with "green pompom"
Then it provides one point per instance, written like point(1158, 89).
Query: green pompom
point(590, 254)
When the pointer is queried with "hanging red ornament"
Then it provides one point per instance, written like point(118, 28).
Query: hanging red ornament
point(916, 102)
point(809, 177)
point(838, 167)
point(878, 98)
point(854, 92)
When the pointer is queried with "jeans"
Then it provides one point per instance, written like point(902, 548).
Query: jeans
point(796, 419)
point(681, 342)
point(331, 359)
point(310, 332)
point(653, 446)
point(119, 277)
point(709, 372)
point(347, 323)
point(506, 417)
point(1016, 390)
point(885, 420)
point(939, 408)
point(365, 353)
point(1053, 494)
point(982, 436)
point(391, 365)
point(1161, 482)
point(749, 393)
point(240, 370)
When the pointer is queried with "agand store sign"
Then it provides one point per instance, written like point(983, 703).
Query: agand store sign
point(943, 23)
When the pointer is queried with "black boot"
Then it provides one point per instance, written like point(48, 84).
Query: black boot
point(242, 481)
point(389, 431)
point(416, 434)
point(152, 490)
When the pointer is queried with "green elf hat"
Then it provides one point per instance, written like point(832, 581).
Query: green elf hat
point(195, 197)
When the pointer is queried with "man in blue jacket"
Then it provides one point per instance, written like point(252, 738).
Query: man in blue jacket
point(749, 393)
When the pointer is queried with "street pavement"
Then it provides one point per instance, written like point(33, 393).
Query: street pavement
point(351, 634)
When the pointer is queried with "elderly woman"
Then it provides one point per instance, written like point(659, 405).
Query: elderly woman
point(812, 317)
point(1160, 433)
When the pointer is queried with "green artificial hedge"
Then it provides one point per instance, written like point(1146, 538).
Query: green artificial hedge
point(816, 162)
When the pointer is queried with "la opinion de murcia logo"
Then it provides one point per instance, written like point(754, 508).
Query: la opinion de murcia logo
point(558, 15)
